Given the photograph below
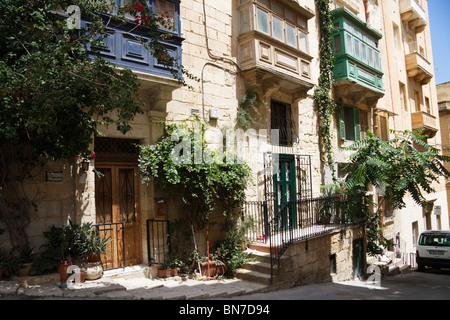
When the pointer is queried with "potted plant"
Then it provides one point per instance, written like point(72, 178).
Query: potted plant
point(89, 246)
point(212, 268)
point(169, 269)
point(25, 260)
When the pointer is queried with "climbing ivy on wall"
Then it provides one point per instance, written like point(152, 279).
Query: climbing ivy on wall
point(322, 96)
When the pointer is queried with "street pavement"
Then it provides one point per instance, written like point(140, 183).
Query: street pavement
point(181, 298)
point(432, 284)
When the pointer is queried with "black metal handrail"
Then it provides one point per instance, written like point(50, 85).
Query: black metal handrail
point(303, 219)
point(300, 220)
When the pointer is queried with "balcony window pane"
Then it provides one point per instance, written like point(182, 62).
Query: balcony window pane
point(277, 8)
point(277, 25)
point(364, 52)
point(244, 18)
point(337, 44)
point(167, 11)
point(357, 49)
point(303, 41)
point(290, 15)
point(291, 39)
point(263, 21)
point(264, 2)
point(377, 60)
point(348, 44)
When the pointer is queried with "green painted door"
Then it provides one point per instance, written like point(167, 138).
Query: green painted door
point(285, 189)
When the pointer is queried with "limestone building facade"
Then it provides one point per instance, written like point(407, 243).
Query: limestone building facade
point(383, 77)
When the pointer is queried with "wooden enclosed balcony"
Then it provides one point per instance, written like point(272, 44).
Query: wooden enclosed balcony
point(274, 46)
point(425, 120)
point(414, 14)
point(357, 73)
point(419, 68)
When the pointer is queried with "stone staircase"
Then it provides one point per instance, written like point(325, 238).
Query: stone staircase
point(389, 264)
point(259, 270)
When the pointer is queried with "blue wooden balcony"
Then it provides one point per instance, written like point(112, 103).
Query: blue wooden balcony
point(125, 46)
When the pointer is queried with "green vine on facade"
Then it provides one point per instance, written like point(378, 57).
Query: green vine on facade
point(322, 95)
point(248, 109)
point(185, 168)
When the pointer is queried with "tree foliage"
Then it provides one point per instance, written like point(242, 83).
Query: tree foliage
point(404, 165)
point(55, 94)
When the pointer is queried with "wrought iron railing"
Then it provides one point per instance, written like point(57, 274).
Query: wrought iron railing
point(158, 242)
point(300, 220)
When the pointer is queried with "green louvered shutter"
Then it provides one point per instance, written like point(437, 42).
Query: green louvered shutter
point(357, 124)
point(342, 124)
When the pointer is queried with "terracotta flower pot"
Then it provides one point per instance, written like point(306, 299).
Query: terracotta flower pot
point(162, 273)
point(25, 270)
point(62, 270)
point(215, 269)
point(83, 274)
point(93, 258)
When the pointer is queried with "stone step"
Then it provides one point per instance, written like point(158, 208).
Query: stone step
point(258, 266)
point(253, 276)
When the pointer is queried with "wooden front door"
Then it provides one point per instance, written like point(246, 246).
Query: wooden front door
point(117, 214)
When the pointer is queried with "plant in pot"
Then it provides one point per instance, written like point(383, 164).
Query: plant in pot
point(25, 260)
point(212, 268)
point(169, 269)
point(89, 246)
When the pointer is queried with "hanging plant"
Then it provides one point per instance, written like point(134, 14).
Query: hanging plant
point(322, 95)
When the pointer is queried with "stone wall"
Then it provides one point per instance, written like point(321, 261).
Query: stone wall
point(308, 262)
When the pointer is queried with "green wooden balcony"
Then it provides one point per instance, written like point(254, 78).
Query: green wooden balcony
point(358, 72)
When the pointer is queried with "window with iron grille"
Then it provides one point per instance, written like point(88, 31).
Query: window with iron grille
point(116, 149)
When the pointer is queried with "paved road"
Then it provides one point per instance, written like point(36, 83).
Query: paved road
point(429, 285)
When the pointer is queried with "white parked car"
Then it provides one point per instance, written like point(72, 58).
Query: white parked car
point(433, 249)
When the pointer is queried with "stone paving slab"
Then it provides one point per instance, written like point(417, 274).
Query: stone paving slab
point(134, 288)
point(8, 287)
point(44, 290)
